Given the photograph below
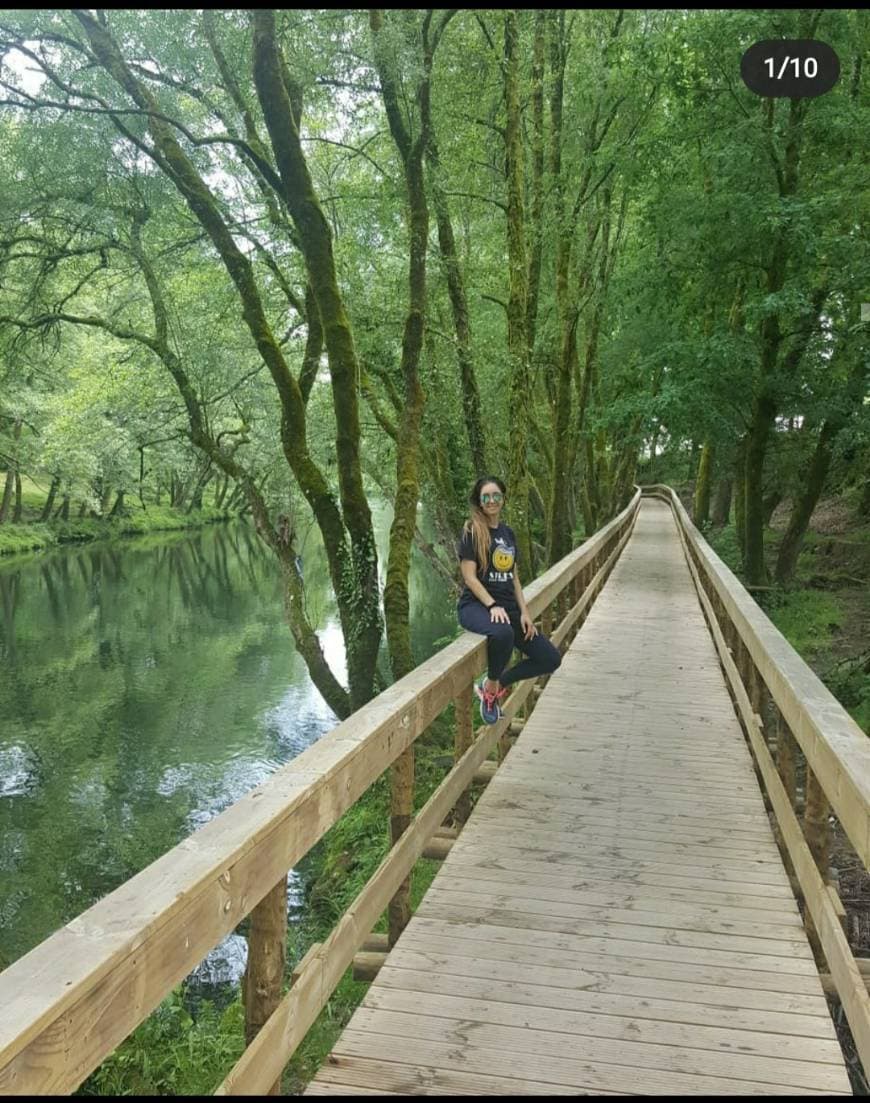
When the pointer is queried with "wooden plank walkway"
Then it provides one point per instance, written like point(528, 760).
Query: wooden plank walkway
point(615, 917)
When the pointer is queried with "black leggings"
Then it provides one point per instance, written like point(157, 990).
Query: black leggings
point(541, 656)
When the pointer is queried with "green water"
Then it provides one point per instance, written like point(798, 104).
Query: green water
point(145, 685)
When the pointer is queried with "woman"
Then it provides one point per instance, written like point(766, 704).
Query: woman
point(492, 602)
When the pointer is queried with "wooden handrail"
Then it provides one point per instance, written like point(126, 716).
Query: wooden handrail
point(835, 748)
point(71, 1000)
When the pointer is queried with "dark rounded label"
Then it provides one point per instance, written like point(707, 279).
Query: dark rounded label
point(790, 67)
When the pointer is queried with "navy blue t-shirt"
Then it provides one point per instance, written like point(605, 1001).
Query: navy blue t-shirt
point(498, 578)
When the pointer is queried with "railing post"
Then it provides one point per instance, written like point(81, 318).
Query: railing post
point(463, 708)
point(401, 808)
point(816, 827)
point(785, 758)
point(267, 956)
point(784, 750)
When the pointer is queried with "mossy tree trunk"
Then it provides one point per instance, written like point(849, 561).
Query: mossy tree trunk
point(517, 335)
point(847, 403)
point(352, 562)
point(16, 512)
point(740, 495)
point(474, 426)
point(11, 472)
point(701, 505)
point(722, 501)
point(49, 501)
point(411, 151)
point(771, 337)
point(586, 277)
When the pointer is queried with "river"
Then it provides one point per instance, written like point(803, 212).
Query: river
point(146, 685)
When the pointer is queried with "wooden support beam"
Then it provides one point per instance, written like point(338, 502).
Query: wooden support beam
point(485, 772)
point(830, 987)
point(301, 965)
point(366, 966)
point(463, 738)
point(376, 943)
point(264, 973)
point(838, 905)
point(401, 811)
point(437, 848)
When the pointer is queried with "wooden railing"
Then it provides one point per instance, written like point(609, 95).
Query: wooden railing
point(796, 728)
point(68, 1003)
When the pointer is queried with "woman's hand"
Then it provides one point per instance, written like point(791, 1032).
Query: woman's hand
point(498, 615)
point(528, 627)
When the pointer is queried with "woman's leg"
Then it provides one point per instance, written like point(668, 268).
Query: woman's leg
point(542, 657)
point(500, 637)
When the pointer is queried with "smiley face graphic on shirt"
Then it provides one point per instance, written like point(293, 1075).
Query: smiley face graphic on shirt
point(503, 559)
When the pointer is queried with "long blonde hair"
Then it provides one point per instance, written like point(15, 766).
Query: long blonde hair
point(478, 525)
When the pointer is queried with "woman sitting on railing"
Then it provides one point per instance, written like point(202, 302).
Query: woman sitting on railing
point(492, 601)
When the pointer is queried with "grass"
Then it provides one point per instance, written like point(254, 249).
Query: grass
point(38, 536)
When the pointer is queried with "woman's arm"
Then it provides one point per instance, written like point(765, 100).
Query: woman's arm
point(469, 574)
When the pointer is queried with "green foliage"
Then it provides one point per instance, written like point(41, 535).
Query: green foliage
point(20, 538)
point(849, 681)
point(724, 542)
point(173, 1052)
point(806, 618)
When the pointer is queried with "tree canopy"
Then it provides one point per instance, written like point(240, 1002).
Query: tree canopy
point(317, 258)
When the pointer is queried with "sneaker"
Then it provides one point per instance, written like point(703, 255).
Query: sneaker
point(490, 713)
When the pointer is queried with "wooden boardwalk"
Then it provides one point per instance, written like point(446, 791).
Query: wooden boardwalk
point(615, 917)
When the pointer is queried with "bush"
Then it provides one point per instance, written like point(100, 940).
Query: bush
point(22, 538)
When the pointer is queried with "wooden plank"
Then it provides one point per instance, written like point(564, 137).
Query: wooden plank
point(686, 945)
point(603, 1052)
point(616, 898)
point(584, 1071)
point(741, 1039)
point(762, 877)
point(617, 955)
point(320, 1088)
point(582, 902)
point(408, 1079)
point(751, 936)
point(602, 835)
point(604, 888)
point(639, 847)
point(617, 988)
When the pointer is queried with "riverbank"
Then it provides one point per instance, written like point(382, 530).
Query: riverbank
point(16, 539)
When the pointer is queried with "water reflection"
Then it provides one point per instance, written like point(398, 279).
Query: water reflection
point(144, 687)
